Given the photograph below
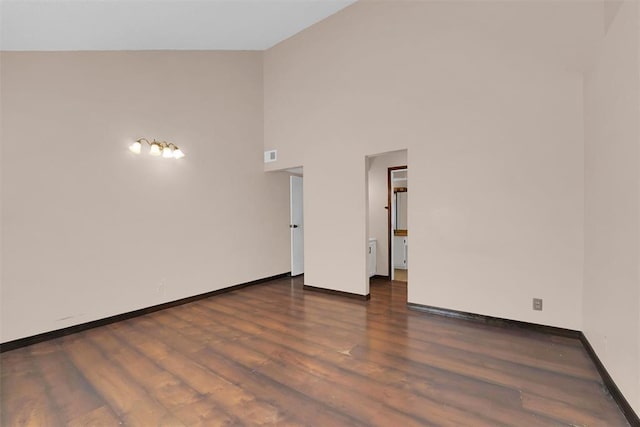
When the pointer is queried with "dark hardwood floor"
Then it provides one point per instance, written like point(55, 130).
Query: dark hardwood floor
point(275, 354)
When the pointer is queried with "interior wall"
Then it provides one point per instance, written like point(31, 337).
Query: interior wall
point(612, 201)
point(378, 200)
point(92, 230)
point(490, 109)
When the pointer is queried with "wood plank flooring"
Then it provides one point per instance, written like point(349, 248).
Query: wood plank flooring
point(400, 275)
point(273, 354)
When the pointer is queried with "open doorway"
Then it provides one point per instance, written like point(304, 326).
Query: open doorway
point(398, 198)
point(379, 207)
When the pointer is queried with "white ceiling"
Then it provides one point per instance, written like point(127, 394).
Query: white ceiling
point(157, 24)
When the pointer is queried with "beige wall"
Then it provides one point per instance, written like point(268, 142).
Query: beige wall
point(490, 109)
point(92, 230)
point(378, 219)
point(612, 200)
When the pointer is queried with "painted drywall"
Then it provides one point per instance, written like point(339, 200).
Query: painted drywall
point(490, 109)
point(378, 213)
point(612, 198)
point(92, 230)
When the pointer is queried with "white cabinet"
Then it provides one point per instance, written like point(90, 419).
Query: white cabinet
point(371, 257)
point(400, 251)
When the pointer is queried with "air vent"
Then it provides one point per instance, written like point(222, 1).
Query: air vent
point(270, 156)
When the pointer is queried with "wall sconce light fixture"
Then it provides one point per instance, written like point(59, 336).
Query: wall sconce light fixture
point(168, 150)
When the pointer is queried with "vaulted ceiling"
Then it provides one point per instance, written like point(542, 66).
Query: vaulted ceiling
point(45, 25)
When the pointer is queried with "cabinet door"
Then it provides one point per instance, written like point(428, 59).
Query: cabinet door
point(406, 252)
point(372, 259)
point(398, 252)
point(400, 249)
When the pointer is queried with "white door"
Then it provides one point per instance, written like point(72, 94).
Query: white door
point(296, 225)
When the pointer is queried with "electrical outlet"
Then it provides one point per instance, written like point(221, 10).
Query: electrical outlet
point(537, 304)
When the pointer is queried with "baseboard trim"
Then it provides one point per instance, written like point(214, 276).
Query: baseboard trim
point(45, 336)
point(611, 386)
point(495, 321)
point(380, 277)
point(337, 293)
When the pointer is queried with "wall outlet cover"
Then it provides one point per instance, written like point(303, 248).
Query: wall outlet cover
point(537, 304)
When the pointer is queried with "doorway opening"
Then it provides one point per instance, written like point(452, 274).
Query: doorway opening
point(397, 201)
point(379, 205)
point(379, 224)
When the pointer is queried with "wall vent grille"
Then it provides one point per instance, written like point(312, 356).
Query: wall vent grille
point(270, 156)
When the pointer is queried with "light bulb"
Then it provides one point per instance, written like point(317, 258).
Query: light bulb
point(136, 147)
point(178, 154)
point(167, 152)
point(155, 149)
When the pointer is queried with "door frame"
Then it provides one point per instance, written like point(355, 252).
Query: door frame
point(389, 209)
